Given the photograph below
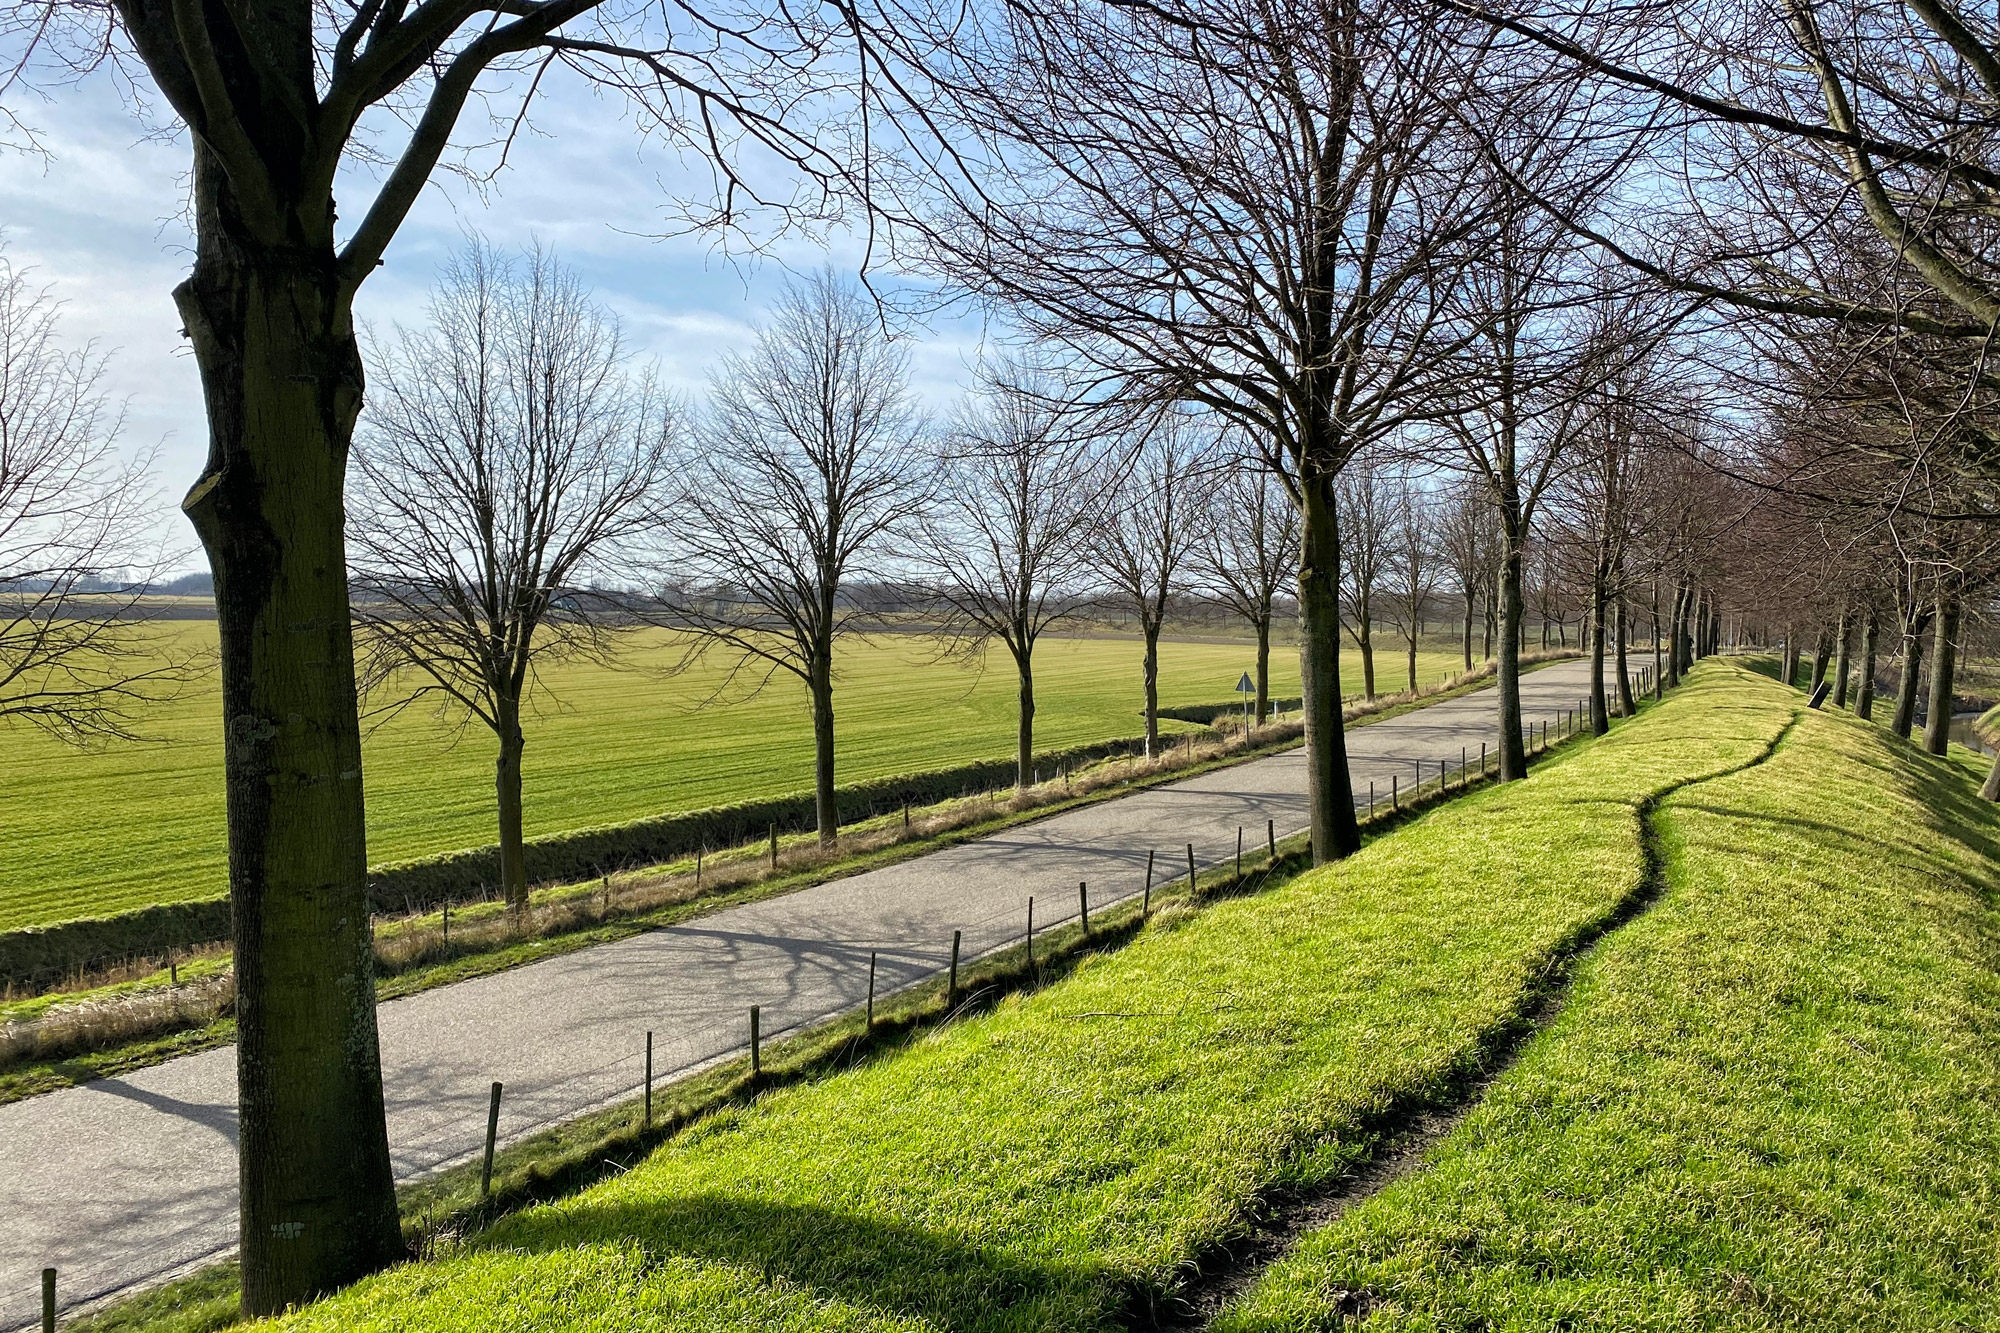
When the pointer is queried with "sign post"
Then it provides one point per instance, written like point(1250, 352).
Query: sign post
point(1246, 689)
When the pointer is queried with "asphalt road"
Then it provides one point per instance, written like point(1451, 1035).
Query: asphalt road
point(119, 1182)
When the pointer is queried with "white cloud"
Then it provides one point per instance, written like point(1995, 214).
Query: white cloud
point(103, 224)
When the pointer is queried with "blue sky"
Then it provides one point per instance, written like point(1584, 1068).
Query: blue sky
point(102, 224)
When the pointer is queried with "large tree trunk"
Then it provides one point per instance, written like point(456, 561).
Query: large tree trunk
point(1467, 642)
point(1024, 735)
point(1944, 654)
point(1673, 675)
point(1364, 638)
point(1788, 657)
point(1329, 790)
point(1600, 712)
point(1513, 752)
point(1990, 789)
point(1626, 706)
point(273, 338)
point(1659, 674)
point(1150, 669)
point(1822, 650)
point(826, 812)
point(1264, 666)
point(1492, 617)
point(1905, 716)
point(507, 790)
point(1864, 705)
point(1410, 663)
point(1842, 659)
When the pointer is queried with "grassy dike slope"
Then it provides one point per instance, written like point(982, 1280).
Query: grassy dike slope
point(1773, 1101)
point(1048, 1164)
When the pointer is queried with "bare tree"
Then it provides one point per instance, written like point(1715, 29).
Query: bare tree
point(510, 453)
point(1254, 209)
point(1415, 565)
point(1470, 547)
point(1007, 544)
point(286, 107)
point(1148, 535)
point(77, 659)
point(1249, 552)
point(809, 460)
point(1366, 503)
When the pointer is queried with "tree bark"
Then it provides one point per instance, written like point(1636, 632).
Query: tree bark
point(1944, 654)
point(1864, 705)
point(1673, 673)
point(1468, 633)
point(1626, 705)
point(1264, 667)
point(1905, 716)
point(507, 790)
point(1330, 791)
point(1024, 742)
point(820, 685)
point(1990, 789)
point(272, 331)
point(1513, 752)
point(1151, 671)
point(1822, 650)
point(1364, 638)
point(1842, 662)
point(1600, 712)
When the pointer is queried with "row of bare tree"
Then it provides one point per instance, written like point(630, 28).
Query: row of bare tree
point(1343, 229)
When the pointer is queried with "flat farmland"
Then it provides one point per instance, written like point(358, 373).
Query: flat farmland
point(129, 824)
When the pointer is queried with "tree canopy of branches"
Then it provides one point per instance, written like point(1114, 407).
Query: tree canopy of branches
point(810, 461)
point(510, 454)
point(1248, 551)
point(1147, 537)
point(279, 103)
point(1247, 207)
point(1007, 544)
point(76, 658)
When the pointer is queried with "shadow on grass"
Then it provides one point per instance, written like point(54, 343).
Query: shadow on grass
point(893, 1267)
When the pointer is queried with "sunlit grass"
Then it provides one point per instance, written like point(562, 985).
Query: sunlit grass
point(1773, 1101)
point(1049, 1164)
point(95, 832)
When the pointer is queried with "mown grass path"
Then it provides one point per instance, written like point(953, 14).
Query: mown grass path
point(124, 1178)
point(1062, 1162)
point(1772, 1102)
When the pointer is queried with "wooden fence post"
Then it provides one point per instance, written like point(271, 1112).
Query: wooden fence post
point(492, 1133)
point(756, 1044)
point(649, 1078)
point(951, 986)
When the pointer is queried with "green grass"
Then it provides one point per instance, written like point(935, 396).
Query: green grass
point(101, 831)
point(1050, 1163)
point(1773, 1101)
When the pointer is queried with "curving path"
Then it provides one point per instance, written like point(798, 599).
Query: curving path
point(125, 1180)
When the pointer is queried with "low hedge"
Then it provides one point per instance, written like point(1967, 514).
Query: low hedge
point(1208, 715)
point(39, 955)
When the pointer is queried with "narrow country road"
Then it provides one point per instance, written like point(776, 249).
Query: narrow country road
point(120, 1181)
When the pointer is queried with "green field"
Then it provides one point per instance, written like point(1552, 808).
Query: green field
point(90, 833)
point(1063, 1159)
point(1772, 1102)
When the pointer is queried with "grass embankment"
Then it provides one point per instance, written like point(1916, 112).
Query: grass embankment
point(1773, 1101)
point(1065, 1158)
